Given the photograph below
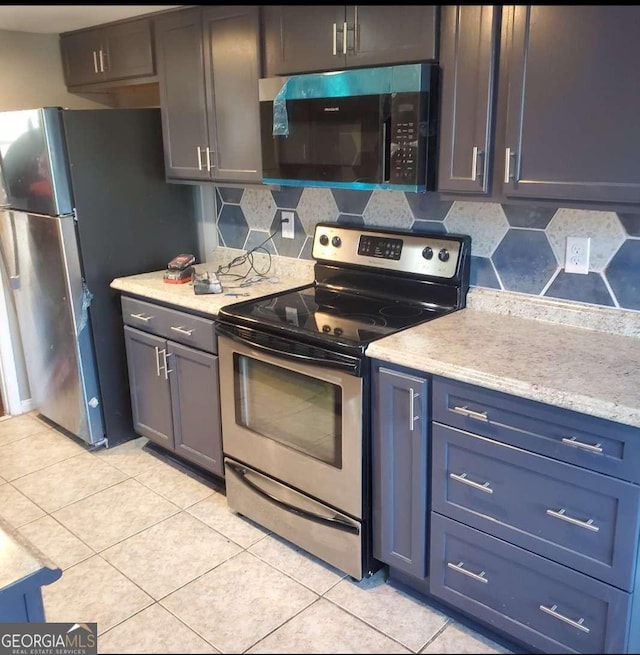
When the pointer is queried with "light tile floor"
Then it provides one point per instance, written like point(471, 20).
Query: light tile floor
point(153, 555)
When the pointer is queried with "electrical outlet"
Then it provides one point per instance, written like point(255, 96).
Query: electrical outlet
point(577, 255)
point(288, 225)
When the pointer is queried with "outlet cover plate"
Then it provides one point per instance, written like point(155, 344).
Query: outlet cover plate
point(577, 255)
point(288, 228)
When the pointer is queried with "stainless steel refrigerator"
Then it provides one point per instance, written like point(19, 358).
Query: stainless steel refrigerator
point(85, 201)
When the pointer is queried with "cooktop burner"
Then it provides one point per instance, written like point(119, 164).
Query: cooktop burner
point(358, 296)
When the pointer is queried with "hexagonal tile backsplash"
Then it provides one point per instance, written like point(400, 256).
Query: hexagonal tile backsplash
point(517, 248)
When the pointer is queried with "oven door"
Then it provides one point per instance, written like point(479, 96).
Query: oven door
point(297, 421)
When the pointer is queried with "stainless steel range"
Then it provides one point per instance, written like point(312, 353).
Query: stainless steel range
point(295, 382)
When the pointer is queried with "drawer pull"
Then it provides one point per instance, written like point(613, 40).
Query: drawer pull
point(561, 514)
point(476, 485)
point(480, 577)
point(181, 330)
point(465, 411)
point(572, 441)
point(141, 317)
point(556, 615)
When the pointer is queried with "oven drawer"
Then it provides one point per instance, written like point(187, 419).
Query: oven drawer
point(539, 602)
point(178, 326)
point(333, 537)
point(579, 518)
point(587, 441)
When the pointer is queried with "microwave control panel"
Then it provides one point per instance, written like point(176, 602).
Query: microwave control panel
point(409, 123)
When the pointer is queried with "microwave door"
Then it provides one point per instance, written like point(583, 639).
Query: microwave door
point(331, 140)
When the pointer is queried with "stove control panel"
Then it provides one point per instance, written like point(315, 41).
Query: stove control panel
point(431, 254)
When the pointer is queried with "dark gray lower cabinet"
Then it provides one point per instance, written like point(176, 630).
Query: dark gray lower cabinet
point(174, 387)
point(535, 519)
point(400, 461)
point(522, 515)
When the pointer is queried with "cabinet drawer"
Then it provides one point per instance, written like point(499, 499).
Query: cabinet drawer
point(170, 323)
point(537, 601)
point(576, 517)
point(590, 442)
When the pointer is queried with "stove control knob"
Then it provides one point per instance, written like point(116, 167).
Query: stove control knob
point(336, 242)
point(443, 255)
point(337, 331)
point(427, 253)
point(324, 240)
point(326, 328)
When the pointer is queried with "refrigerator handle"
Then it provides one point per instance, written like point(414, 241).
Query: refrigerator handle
point(12, 267)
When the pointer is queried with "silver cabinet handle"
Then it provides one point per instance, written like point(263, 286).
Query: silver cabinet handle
point(181, 330)
point(561, 514)
point(157, 360)
point(344, 38)
point(164, 365)
point(508, 154)
point(480, 577)
point(199, 151)
point(412, 419)
point(101, 57)
point(572, 441)
point(141, 317)
point(556, 615)
point(209, 164)
point(474, 163)
point(476, 485)
point(95, 62)
point(335, 39)
point(465, 411)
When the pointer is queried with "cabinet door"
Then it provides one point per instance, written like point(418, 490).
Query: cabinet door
point(467, 68)
point(391, 34)
point(180, 59)
point(149, 387)
point(232, 65)
point(400, 469)
point(572, 116)
point(304, 38)
point(128, 50)
point(81, 57)
point(196, 406)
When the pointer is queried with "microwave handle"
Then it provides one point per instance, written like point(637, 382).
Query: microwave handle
point(327, 363)
point(335, 523)
point(386, 148)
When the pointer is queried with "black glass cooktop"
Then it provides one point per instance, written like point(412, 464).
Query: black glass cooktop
point(333, 318)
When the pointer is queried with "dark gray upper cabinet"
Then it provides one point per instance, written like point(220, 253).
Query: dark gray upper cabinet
point(114, 52)
point(400, 469)
point(208, 71)
point(572, 117)
point(317, 38)
point(468, 49)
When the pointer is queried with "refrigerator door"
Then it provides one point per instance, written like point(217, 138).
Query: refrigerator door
point(33, 161)
point(52, 305)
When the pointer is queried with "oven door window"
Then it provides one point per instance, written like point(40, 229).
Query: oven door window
point(297, 410)
point(330, 139)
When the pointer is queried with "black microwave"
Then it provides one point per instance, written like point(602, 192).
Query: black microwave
point(367, 128)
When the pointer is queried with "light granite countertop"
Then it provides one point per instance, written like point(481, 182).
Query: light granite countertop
point(19, 559)
point(533, 349)
point(284, 273)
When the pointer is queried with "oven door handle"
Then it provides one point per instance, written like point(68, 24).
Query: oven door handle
point(351, 367)
point(334, 523)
